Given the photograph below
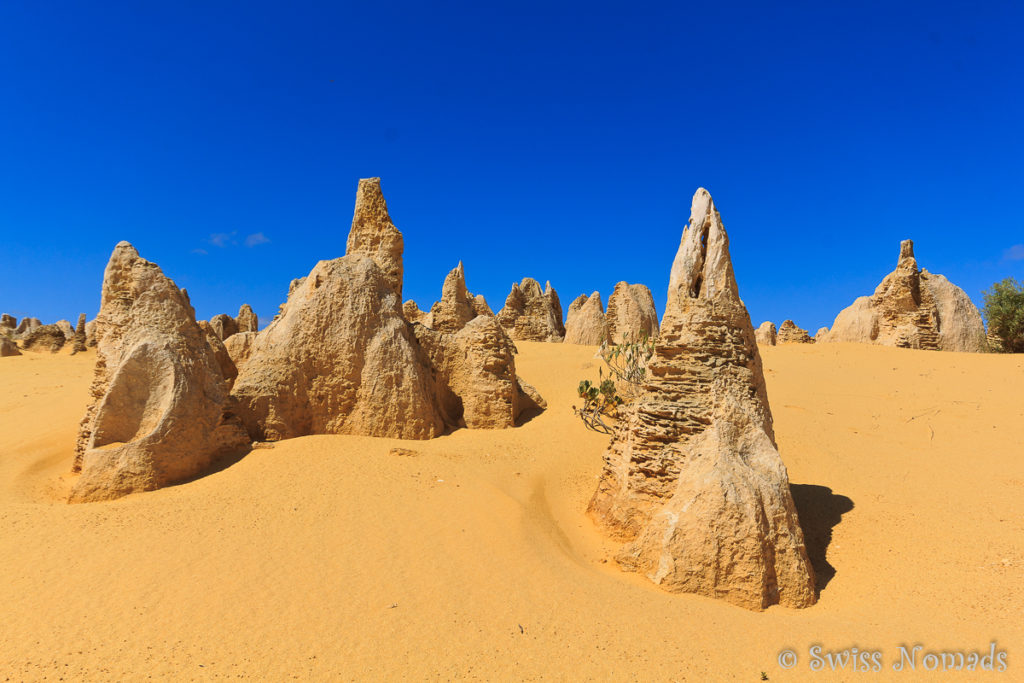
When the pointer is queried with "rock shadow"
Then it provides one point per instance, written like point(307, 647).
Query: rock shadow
point(820, 511)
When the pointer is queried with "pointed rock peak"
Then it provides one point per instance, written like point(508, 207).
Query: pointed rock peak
point(374, 235)
point(906, 249)
point(702, 267)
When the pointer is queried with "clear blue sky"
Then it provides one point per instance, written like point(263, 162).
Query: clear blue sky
point(557, 140)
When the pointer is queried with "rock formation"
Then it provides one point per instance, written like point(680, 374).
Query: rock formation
point(239, 346)
point(820, 334)
point(8, 347)
point(480, 305)
point(374, 235)
point(631, 312)
point(90, 333)
point(78, 340)
point(220, 353)
point(43, 338)
point(340, 358)
point(530, 314)
point(413, 314)
point(912, 308)
point(789, 333)
point(160, 410)
point(66, 329)
point(247, 320)
point(456, 307)
point(223, 325)
point(8, 321)
point(27, 325)
point(765, 334)
point(692, 481)
point(586, 323)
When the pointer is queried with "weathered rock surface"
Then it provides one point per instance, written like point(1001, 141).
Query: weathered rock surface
point(247, 320)
point(766, 334)
point(789, 333)
point(220, 353)
point(27, 325)
point(413, 314)
point(456, 307)
point(530, 314)
point(160, 410)
point(8, 347)
point(631, 312)
point(239, 347)
point(8, 321)
point(586, 323)
point(223, 325)
point(43, 338)
point(66, 329)
point(693, 482)
point(78, 340)
point(90, 333)
point(341, 358)
point(374, 235)
point(912, 308)
point(820, 334)
point(480, 306)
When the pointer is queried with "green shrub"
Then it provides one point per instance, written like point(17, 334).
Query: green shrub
point(1004, 313)
point(598, 402)
point(627, 363)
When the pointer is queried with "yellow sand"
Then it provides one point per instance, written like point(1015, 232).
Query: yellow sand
point(328, 557)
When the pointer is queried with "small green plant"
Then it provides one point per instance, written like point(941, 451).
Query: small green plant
point(599, 401)
point(627, 362)
point(1004, 312)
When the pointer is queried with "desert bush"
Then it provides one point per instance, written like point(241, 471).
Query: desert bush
point(1004, 313)
point(627, 365)
point(627, 362)
point(598, 402)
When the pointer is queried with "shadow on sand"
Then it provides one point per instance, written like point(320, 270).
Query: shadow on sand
point(819, 510)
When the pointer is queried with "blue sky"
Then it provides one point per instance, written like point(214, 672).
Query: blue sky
point(557, 140)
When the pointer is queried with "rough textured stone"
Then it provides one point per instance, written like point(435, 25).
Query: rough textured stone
point(693, 482)
point(220, 353)
point(160, 411)
point(820, 334)
point(239, 347)
point(8, 347)
point(586, 322)
point(631, 311)
point(413, 314)
point(912, 308)
point(90, 334)
point(480, 306)
point(27, 325)
point(247, 320)
point(8, 321)
point(374, 235)
point(43, 338)
point(223, 325)
point(530, 314)
point(66, 329)
point(789, 333)
point(341, 358)
point(79, 339)
point(765, 334)
point(456, 307)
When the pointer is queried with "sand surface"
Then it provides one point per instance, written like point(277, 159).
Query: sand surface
point(329, 557)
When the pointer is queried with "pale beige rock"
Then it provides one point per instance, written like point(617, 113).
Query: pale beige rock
point(374, 235)
point(341, 359)
point(239, 347)
point(220, 353)
point(27, 325)
point(66, 329)
point(531, 314)
point(912, 308)
point(766, 334)
point(223, 325)
point(159, 411)
point(247, 320)
point(8, 321)
point(586, 322)
point(480, 306)
point(820, 334)
point(631, 313)
point(8, 347)
point(456, 307)
point(790, 333)
point(692, 481)
point(90, 334)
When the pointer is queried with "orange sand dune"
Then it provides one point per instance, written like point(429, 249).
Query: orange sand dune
point(329, 557)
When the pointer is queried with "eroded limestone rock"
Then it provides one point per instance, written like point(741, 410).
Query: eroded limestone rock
point(531, 314)
point(586, 322)
point(631, 312)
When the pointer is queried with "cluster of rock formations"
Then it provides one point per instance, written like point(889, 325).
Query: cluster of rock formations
point(171, 395)
point(32, 335)
point(790, 333)
point(693, 482)
point(912, 308)
point(532, 314)
point(630, 313)
point(454, 310)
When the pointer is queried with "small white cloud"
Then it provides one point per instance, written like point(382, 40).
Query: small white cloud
point(222, 239)
point(200, 251)
point(256, 238)
point(1014, 253)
